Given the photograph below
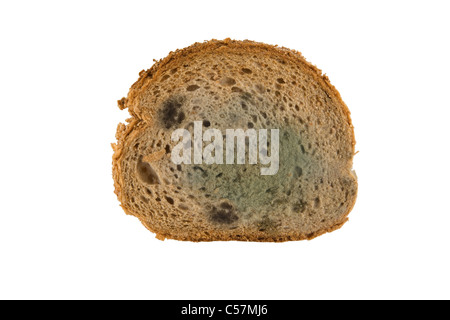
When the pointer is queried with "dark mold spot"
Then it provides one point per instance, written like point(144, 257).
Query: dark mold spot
point(224, 214)
point(171, 112)
point(299, 206)
point(203, 171)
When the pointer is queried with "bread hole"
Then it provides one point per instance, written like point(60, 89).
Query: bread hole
point(250, 125)
point(246, 70)
point(144, 199)
point(165, 77)
point(179, 167)
point(244, 106)
point(206, 123)
point(189, 126)
point(317, 202)
point(298, 172)
point(247, 96)
point(158, 199)
point(173, 70)
point(167, 148)
point(148, 191)
point(236, 89)
point(192, 87)
point(183, 207)
point(280, 80)
point(169, 200)
point(271, 190)
point(227, 81)
point(259, 88)
point(146, 173)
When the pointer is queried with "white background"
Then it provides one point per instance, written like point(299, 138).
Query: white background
point(65, 64)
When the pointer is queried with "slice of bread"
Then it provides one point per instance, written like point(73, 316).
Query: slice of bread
point(230, 85)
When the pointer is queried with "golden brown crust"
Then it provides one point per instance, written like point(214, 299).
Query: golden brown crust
point(288, 236)
point(125, 133)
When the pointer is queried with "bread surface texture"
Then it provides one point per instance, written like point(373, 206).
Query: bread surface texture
point(230, 84)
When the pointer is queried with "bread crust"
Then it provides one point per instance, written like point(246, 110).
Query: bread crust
point(139, 119)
